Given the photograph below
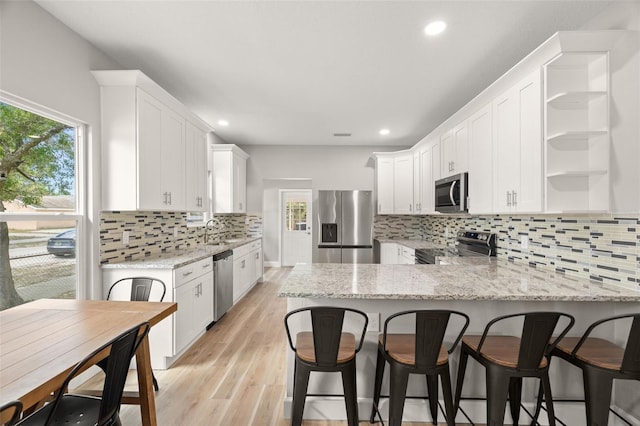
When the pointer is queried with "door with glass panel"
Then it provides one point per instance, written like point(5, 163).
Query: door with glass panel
point(296, 240)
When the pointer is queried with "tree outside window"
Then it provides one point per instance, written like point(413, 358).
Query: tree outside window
point(296, 215)
point(37, 163)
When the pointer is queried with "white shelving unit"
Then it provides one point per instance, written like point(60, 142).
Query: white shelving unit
point(577, 132)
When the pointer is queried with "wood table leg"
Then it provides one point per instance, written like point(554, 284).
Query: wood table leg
point(145, 384)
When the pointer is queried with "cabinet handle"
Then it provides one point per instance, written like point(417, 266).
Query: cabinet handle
point(186, 274)
point(164, 198)
point(515, 198)
point(169, 198)
point(257, 255)
point(409, 206)
point(379, 207)
point(508, 198)
point(243, 262)
point(240, 206)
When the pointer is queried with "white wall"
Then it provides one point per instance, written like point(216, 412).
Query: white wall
point(326, 167)
point(43, 62)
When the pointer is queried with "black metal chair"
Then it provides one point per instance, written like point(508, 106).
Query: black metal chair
point(326, 348)
point(87, 410)
point(141, 289)
point(601, 361)
point(10, 413)
point(508, 359)
point(420, 353)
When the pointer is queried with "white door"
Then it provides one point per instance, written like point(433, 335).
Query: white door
point(296, 220)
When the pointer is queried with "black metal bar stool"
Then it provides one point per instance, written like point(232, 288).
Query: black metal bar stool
point(422, 352)
point(507, 359)
point(601, 361)
point(138, 289)
point(326, 348)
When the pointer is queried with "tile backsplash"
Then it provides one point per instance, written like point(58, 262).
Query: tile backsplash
point(152, 233)
point(604, 248)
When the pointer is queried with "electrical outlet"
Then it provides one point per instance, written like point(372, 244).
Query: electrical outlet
point(524, 242)
point(125, 238)
point(374, 321)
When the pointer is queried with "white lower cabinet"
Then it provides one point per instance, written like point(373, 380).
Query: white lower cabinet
point(191, 287)
point(195, 303)
point(406, 255)
point(247, 268)
point(388, 253)
point(396, 254)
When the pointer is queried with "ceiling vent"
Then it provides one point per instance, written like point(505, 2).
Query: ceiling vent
point(342, 134)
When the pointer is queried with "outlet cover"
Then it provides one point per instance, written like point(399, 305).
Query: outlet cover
point(125, 238)
point(374, 321)
point(524, 242)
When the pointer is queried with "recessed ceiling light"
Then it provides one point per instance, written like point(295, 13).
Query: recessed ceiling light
point(223, 123)
point(435, 27)
point(384, 132)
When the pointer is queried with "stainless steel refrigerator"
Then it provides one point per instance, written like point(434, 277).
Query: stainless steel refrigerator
point(345, 227)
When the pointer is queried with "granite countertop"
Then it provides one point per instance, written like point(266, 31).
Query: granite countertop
point(177, 259)
point(412, 244)
point(472, 279)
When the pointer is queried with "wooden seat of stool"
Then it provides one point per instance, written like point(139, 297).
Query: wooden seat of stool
point(501, 350)
point(305, 348)
point(594, 351)
point(401, 347)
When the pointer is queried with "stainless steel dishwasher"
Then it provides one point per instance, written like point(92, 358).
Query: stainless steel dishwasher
point(223, 283)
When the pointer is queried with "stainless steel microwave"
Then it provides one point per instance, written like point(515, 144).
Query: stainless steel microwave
point(451, 194)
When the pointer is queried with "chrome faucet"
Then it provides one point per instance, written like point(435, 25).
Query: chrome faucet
point(206, 229)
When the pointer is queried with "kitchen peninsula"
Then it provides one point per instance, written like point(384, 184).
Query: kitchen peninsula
point(481, 287)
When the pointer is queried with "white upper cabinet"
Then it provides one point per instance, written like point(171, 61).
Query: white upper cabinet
point(517, 146)
point(423, 178)
point(403, 183)
point(196, 169)
point(395, 183)
point(417, 185)
point(384, 183)
point(143, 144)
point(229, 179)
point(454, 146)
point(481, 161)
point(562, 141)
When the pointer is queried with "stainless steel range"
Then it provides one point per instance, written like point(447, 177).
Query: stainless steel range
point(468, 243)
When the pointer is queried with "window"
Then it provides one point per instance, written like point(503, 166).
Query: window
point(296, 215)
point(40, 212)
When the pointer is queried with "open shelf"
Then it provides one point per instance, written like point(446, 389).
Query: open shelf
point(573, 99)
point(577, 173)
point(575, 134)
point(577, 169)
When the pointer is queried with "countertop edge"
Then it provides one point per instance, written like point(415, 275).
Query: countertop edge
point(177, 259)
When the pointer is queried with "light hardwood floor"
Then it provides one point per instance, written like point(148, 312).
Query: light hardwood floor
point(235, 373)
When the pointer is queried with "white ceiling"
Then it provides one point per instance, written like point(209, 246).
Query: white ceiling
point(296, 72)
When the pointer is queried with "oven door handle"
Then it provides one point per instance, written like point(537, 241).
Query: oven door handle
point(453, 185)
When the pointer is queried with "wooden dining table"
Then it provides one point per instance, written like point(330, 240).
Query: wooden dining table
point(41, 341)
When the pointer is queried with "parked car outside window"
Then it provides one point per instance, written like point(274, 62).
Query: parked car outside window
point(63, 244)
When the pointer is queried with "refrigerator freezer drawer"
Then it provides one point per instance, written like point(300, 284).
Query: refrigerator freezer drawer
point(357, 255)
point(329, 255)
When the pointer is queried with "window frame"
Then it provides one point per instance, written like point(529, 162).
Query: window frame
point(83, 255)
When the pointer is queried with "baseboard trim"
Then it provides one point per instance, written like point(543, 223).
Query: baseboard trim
point(415, 410)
